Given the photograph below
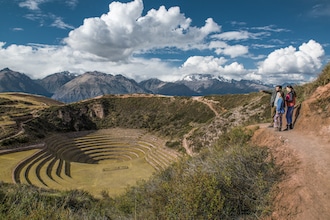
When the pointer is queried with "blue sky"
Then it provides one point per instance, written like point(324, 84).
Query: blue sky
point(274, 41)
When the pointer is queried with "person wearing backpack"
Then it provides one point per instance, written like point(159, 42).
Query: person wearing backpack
point(280, 110)
point(290, 101)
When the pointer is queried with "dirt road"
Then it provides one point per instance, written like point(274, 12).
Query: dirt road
point(304, 192)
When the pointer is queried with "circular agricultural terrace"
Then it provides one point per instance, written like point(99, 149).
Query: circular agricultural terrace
point(103, 160)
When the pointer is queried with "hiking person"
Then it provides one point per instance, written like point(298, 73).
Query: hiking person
point(290, 101)
point(272, 102)
point(280, 110)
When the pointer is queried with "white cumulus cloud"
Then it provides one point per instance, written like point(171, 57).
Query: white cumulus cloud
point(213, 65)
point(124, 31)
point(295, 64)
point(305, 60)
point(222, 48)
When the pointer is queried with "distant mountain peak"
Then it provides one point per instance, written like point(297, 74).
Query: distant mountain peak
point(66, 73)
point(11, 81)
point(203, 77)
point(6, 69)
point(97, 73)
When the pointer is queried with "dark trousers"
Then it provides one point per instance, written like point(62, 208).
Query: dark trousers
point(289, 114)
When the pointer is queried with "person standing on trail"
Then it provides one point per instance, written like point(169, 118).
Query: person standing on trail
point(280, 110)
point(290, 101)
point(273, 94)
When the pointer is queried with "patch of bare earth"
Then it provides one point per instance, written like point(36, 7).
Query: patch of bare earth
point(304, 156)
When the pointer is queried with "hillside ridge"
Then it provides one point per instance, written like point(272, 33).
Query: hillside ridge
point(304, 156)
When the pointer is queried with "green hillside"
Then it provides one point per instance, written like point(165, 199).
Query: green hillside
point(15, 110)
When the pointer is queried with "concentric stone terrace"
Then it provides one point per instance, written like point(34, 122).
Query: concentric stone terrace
point(69, 160)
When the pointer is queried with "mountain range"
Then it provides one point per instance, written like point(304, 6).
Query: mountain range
point(68, 87)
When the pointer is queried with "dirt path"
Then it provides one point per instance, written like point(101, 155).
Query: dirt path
point(304, 193)
point(185, 142)
point(208, 103)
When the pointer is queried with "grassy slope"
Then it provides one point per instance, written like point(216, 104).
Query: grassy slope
point(16, 108)
point(167, 116)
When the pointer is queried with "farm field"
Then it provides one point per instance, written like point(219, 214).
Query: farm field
point(99, 161)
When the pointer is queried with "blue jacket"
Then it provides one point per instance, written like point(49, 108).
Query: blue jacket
point(280, 108)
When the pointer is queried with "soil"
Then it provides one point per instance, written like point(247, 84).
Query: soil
point(304, 157)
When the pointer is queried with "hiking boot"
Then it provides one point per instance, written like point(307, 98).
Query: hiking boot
point(287, 128)
point(291, 126)
point(279, 129)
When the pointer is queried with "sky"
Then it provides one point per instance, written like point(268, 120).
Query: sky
point(273, 41)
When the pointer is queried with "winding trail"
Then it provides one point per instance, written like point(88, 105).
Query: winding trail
point(185, 143)
point(207, 102)
point(304, 193)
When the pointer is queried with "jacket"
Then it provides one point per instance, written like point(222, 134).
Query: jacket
point(290, 99)
point(280, 107)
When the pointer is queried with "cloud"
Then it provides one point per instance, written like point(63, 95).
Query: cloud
point(233, 35)
point(45, 18)
point(72, 3)
point(320, 10)
point(48, 20)
point(270, 28)
point(295, 64)
point(220, 47)
point(59, 23)
point(212, 65)
point(39, 61)
point(32, 4)
point(17, 29)
point(123, 31)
